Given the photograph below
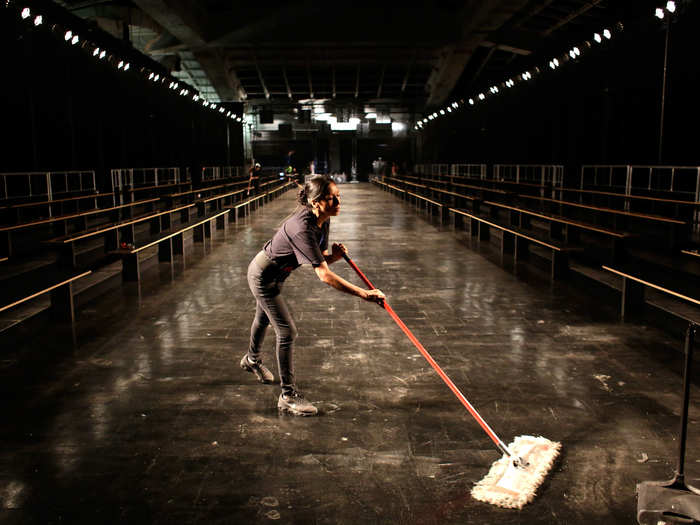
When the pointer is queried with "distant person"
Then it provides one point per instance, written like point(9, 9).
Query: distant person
point(254, 175)
point(302, 239)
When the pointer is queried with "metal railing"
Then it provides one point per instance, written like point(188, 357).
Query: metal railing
point(680, 181)
point(135, 177)
point(541, 174)
point(468, 171)
point(45, 184)
point(221, 172)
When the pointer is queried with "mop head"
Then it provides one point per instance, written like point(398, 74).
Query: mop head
point(513, 487)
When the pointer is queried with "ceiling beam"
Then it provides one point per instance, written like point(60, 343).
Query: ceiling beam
point(333, 79)
point(381, 82)
point(262, 80)
point(478, 19)
point(308, 75)
point(566, 20)
point(286, 83)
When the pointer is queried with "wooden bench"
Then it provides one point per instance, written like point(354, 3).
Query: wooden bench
point(129, 192)
point(457, 199)
point(395, 190)
point(61, 203)
point(7, 232)
point(562, 229)
point(515, 242)
point(169, 243)
point(675, 227)
point(118, 233)
point(434, 205)
point(55, 281)
point(633, 287)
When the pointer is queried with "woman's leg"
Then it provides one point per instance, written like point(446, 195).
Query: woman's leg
point(278, 314)
point(257, 332)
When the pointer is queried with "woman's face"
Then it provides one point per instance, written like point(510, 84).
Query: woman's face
point(329, 204)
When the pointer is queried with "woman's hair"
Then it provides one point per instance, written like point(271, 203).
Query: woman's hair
point(314, 189)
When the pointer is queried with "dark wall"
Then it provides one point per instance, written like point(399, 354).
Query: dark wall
point(603, 109)
point(63, 109)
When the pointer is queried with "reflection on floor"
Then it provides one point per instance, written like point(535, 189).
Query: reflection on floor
point(151, 420)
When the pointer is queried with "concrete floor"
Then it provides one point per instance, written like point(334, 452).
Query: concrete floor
point(150, 420)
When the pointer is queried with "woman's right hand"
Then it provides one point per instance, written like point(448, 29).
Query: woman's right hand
point(375, 295)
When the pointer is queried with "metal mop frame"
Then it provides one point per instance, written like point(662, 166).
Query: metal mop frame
point(501, 446)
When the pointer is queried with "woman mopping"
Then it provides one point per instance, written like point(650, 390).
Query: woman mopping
point(302, 239)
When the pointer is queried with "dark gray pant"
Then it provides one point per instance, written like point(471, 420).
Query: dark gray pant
point(265, 280)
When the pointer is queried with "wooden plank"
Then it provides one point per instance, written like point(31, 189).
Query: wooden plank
point(44, 290)
point(174, 233)
point(67, 199)
point(114, 226)
point(652, 285)
point(605, 210)
point(559, 219)
point(635, 197)
point(503, 228)
point(85, 213)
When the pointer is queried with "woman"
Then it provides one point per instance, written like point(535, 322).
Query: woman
point(302, 239)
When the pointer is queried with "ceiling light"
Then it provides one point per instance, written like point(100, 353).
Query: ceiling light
point(431, 117)
point(103, 53)
point(195, 97)
point(68, 35)
point(577, 51)
point(597, 37)
point(26, 13)
point(606, 34)
point(449, 109)
point(425, 121)
point(471, 101)
point(671, 6)
point(126, 67)
point(38, 20)
point(75, 39)
point(442, 112)
point(659, 13)
point(120, 65)
point(97, 52)
point(482, 96)
point(371, 115)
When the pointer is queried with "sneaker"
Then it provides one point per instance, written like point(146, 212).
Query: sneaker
point(295, 404)
point(256, 367)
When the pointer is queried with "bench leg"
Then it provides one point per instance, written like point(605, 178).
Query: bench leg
point(507, 243)
point(632, 298)
point(556, 231)
point(165, 254)
point(130, 267)
point(484, 232)
point(199, 233)
point(560, 265)
point(521, 248)
point(473, 227)
point(165, 250)
point(62, 305)
point(179, 244)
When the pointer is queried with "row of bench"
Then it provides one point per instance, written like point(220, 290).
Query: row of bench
point(635, 278)
point(167, 233)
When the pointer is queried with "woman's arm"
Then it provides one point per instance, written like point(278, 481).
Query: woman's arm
point(331, 279)
point(338, 251)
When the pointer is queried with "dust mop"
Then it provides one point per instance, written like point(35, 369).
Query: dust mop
point(513, 479)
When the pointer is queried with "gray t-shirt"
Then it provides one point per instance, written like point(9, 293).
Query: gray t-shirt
point(299, 241)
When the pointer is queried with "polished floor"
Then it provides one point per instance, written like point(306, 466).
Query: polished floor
point(150, 420)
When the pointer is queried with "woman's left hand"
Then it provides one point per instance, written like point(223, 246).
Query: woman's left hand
point(338, 250)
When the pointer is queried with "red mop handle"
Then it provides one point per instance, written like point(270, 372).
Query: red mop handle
point(432, 362)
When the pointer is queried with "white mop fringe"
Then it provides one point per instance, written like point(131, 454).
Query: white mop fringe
point(513, 487)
